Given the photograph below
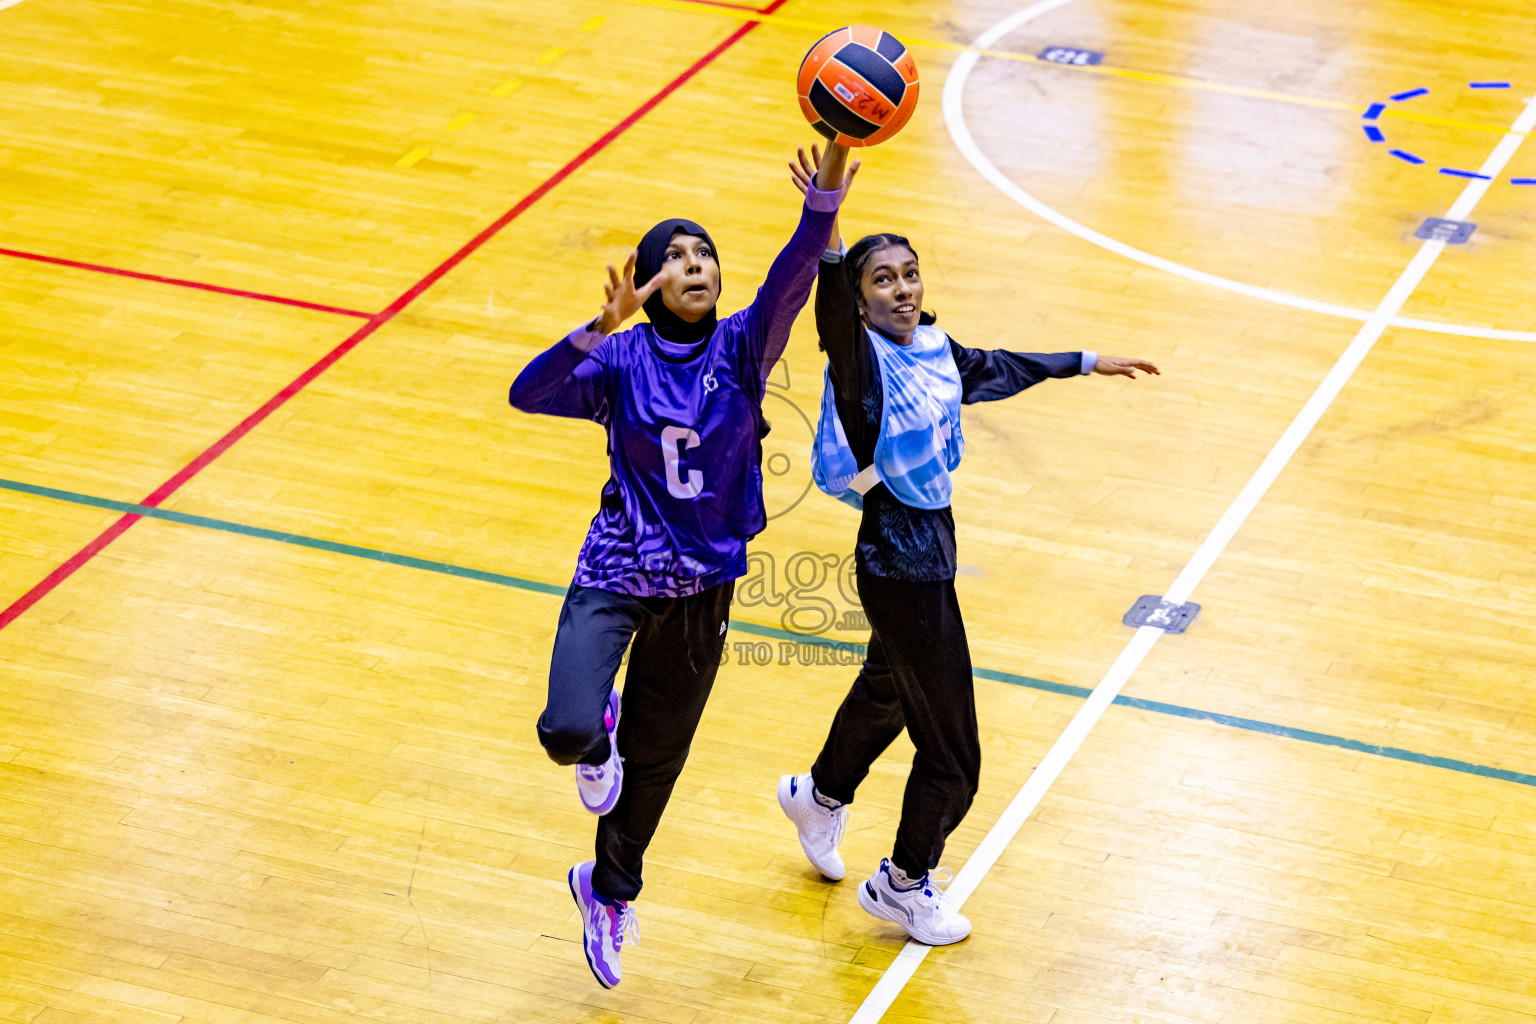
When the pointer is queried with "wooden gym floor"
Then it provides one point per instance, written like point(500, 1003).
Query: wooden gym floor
point(281, 568)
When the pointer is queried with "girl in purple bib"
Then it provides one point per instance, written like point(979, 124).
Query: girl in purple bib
point(680, 399)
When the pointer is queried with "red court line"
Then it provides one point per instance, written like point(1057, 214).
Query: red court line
point(67, 570)
point(197, 465)
point(179, 282)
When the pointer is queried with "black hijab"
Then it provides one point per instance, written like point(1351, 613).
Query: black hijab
point(653, 247)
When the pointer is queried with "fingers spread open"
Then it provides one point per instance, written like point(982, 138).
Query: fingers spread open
point(646, 292)
point(798, 176)
point(810, 163)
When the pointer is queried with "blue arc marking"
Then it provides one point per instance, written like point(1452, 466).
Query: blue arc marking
point(537, 587)
point(1375, 134)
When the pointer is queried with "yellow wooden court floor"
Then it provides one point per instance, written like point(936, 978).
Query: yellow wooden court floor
point(280, 567)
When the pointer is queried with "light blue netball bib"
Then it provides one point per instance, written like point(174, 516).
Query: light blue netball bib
point(920, 440)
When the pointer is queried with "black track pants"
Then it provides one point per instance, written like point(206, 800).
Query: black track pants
point(917, 676)
point(672, 665)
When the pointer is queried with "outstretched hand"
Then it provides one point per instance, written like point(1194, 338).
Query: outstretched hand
point(803, 173)
point(623, 299)
point(1116, 366)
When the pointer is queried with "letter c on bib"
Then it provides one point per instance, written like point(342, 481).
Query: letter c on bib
point(670, 436)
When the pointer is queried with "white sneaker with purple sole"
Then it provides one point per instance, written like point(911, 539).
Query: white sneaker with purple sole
point(605, 924)
point(599, 785)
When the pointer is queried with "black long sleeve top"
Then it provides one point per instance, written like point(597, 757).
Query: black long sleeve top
point(896, 540)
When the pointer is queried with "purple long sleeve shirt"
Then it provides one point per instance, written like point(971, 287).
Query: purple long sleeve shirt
point(685, 487)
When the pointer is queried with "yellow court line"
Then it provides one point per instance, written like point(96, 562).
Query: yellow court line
point(414, 157)
point(1178, 81)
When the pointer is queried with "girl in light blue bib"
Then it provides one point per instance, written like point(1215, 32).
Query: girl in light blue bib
point(920, 440)
point(888, 440)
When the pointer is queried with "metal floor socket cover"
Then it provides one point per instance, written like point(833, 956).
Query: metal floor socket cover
point(1451, 232)
point(1152, 610)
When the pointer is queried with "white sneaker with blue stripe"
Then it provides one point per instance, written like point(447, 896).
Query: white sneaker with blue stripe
point(820, 827)
point(923, 910)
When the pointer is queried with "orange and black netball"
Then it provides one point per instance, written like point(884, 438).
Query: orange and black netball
point(858, 85)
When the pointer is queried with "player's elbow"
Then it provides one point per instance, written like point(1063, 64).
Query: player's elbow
point(523, 400)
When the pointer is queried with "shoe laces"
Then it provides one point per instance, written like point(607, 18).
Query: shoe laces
point(931, 886)
point(626, 927)
point(837, 818)
point(595, 772)
point(838, 824)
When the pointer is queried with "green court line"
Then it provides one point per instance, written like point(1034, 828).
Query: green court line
point(773, 632)
point(299, 540)
point(1324, 739)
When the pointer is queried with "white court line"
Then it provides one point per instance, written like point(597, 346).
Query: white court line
point(1066, 746)
point(954, 119)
